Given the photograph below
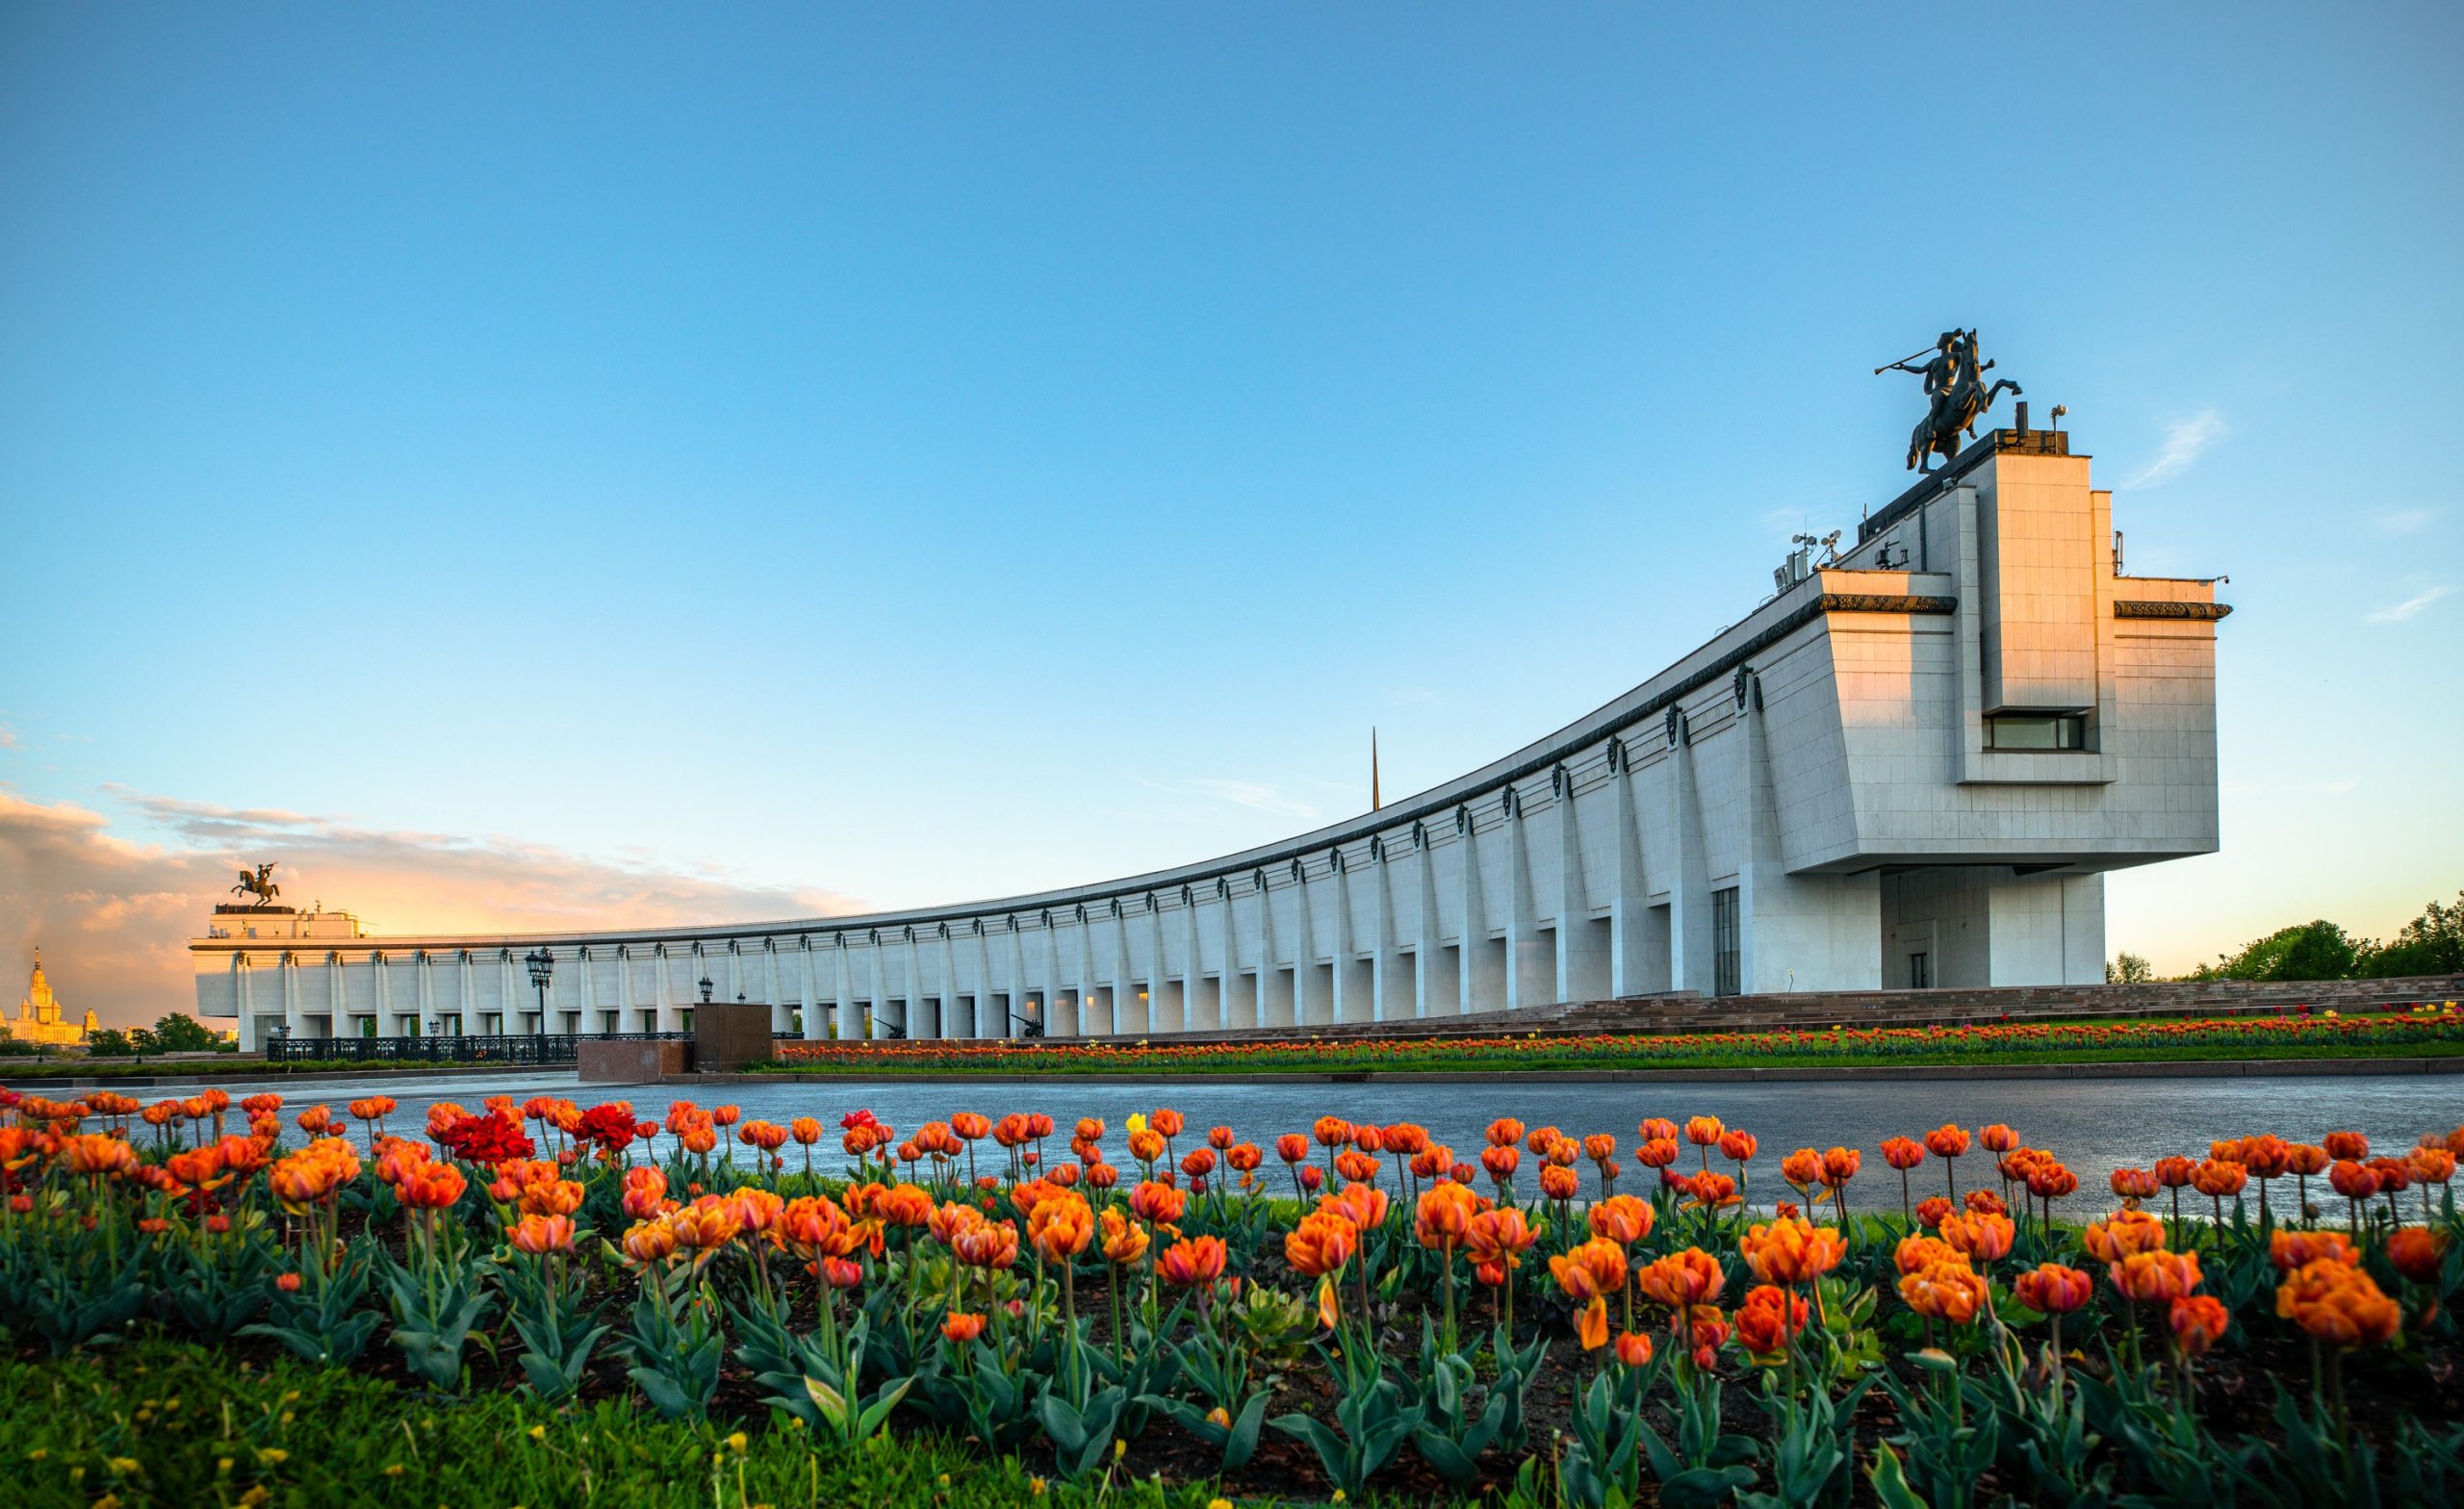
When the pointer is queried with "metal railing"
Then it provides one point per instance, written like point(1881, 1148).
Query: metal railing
point(500, 1048)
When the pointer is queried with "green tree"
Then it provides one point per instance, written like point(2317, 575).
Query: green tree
point(2431, 944)
point(2128, 969)
point(109, 1043)
point(2316, 950)
point(181, 1033)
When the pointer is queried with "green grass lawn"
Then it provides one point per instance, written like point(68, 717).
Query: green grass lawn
point(171, 1424)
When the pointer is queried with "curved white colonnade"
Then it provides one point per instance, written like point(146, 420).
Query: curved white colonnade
point(1909, 767)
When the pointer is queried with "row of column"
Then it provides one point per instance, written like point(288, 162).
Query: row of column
point(1504, 952)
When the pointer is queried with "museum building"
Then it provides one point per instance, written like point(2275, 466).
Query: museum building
point(1910, 767)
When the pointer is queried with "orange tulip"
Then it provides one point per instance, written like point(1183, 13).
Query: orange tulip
point(990, 1244)
point(1802, 1168)
point(1124, 1241)
point(537, 1235)
point(1558, 1184)
point(1944, 1291)
point(1591, 1327)
point(1060, 1227)
point(2135, 1183)
point(1192, 1261)
point(2199, 1322)
point(1364, 1205)
point(2216, 1179)
point(2123, 1233)
point(1689, 1276)
point(1622, 1218)
point(1597, 1267)
point(2417, 1253)
point(1321, 1243)
point(2053, 1289)
point(649, 1241)
point(1918, 1252)
point(962, 1328)
point(2298, 1249)
point(1981, 1238)
point(1500, 1236)
point(1769, 1319)
point(1162, 1204)
point(551, 1197)
point(2338, 1305)
point(431, 1187)
point(1793, 1251)
point(1711, 1191)
point(1704, 1131)
point(1444, 1216)
point(709, 1222)
point(1901, 1153)
point(2154, 1277)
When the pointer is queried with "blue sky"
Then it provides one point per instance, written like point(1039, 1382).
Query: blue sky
point(789, 455)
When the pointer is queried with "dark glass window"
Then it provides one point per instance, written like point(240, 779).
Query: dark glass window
point(1724, 942)
point(2029, 730)
point(1920, 971)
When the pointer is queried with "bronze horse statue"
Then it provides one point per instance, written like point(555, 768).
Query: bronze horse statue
point(1956, 382)
point(258, 882)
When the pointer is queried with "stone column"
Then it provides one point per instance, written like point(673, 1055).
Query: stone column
point(842, 1001)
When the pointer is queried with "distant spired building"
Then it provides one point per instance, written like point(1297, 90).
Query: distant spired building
point(38, 1018)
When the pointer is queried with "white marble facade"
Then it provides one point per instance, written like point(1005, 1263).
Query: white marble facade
point(1823, 797)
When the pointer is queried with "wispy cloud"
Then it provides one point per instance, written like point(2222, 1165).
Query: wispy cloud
point(113, 912)
point(2184, 439)
point(1414, 697)
point(2405, 521)
point(2398, 612)
point(1257, 795)
point(8, 737)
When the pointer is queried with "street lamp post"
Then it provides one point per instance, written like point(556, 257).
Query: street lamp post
point(704, 983)
point(543, 968)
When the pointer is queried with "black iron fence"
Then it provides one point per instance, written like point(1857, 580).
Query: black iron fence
point(504, 1048)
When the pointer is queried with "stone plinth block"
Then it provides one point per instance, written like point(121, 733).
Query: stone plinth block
point(731, 1035)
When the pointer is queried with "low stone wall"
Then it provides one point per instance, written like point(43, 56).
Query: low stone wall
point(1688, 1012)
point(618, 1061)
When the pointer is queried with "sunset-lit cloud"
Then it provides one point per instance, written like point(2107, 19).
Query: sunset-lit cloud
point(2186, 440)
point(2409, 608)
point(111, 912)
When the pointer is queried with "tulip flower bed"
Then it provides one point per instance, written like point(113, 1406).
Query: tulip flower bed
point(518, 1306)
point(2418, 1033)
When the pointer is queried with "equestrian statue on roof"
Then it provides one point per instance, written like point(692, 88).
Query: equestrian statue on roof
point(1955, 385)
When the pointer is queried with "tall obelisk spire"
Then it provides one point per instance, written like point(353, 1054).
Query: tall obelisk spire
point(1374, 803)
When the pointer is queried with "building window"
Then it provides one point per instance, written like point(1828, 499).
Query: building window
point(1920, 971)
point(2032, 731)
point(1724, 942)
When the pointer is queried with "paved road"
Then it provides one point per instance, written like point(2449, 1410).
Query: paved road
point(2094, 1126)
